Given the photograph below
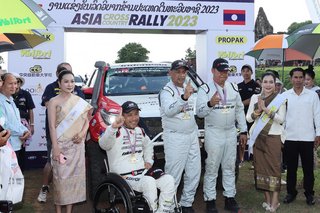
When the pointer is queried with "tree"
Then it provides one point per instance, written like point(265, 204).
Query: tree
point(132, 52)
point(296, 25)
point(190, 53)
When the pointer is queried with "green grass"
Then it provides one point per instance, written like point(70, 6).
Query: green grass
point(251, 199)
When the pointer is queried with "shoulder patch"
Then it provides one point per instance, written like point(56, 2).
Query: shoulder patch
point(167, 88)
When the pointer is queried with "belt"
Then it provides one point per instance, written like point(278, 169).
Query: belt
point(134, 172)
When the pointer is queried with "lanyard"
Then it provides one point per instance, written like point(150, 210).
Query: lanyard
point(178, 89)
point(224, 99)
point(132, 144)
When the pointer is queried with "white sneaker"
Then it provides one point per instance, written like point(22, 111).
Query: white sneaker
point(42, 197)
point(283, 182)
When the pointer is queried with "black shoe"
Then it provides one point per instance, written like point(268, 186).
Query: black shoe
point(187, 209)
point(231, 204)
point(310, 199)
point(211, 206)
point(289, 198)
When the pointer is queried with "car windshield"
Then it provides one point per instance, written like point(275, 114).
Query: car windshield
point(136, 80)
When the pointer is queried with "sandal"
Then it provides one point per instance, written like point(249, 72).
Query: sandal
point(274, 209)
point(266, 206)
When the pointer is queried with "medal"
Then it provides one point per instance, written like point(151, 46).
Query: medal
point(133, 158)
point(225, 109)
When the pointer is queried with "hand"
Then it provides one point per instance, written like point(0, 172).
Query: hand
point(119, 121)
point(188, 91)
point(56, 153)
point(215, 99)
point(243, 140)
point(25, 136)
point(261, 104)
point(4, 136)
point(147, 165)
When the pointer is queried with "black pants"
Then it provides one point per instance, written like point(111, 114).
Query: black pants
point(21, 158)
point(292, 150)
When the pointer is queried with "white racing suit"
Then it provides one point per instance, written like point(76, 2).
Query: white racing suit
point(119, 146)
point(180, 136)
point(220, 136)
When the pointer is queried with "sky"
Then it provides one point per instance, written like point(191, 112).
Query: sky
point(280, 13)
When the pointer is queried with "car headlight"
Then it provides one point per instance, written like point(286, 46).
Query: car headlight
point(108, 117)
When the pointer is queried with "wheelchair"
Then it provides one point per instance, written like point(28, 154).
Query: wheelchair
point(115, 195)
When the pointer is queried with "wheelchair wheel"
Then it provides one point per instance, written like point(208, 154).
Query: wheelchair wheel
point(110, 198)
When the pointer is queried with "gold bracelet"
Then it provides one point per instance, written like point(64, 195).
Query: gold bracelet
point(256, 114)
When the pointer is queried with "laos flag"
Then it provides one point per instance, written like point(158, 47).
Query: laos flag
point(234, 17)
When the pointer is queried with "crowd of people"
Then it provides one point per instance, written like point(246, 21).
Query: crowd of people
point(277, 127)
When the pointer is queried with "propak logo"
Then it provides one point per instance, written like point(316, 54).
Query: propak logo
point(231, 40)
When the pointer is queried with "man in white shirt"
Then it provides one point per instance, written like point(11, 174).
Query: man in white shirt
point(302, 135)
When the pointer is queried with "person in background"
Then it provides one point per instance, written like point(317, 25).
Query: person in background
point(25, 104)
point(68, 117)
point(129, 151)
point(19, 133)
point(309, 81)
point(302, 129)
point(180, 133)
point(51, 91)
point(247, 88)
point(4, 134)
point(267, 111)
point(219, 103)
point(279, 86)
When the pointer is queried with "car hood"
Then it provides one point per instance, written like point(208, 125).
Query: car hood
point(149, 104)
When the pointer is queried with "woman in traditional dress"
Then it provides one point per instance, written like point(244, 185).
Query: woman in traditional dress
point(68, 123)
point(267, 110)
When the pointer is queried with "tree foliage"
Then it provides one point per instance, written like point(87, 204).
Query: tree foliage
point(190, 53)
point(132, 52)
point(296, 25)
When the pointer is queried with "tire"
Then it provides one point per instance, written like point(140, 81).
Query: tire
point(96, 168)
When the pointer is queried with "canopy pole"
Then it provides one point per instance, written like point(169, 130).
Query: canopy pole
point(283, 51)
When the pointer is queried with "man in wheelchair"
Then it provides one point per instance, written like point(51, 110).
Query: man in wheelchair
point(130, 154)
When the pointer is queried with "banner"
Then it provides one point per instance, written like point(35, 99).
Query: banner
point(230, 45)
point(153, 14)
point(37, 66)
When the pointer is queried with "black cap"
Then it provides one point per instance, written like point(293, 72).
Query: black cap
point(247, 66)
point(221, 64)
point(128, 106)
point(178, 64)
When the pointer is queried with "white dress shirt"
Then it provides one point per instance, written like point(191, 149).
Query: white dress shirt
point(303, 115)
